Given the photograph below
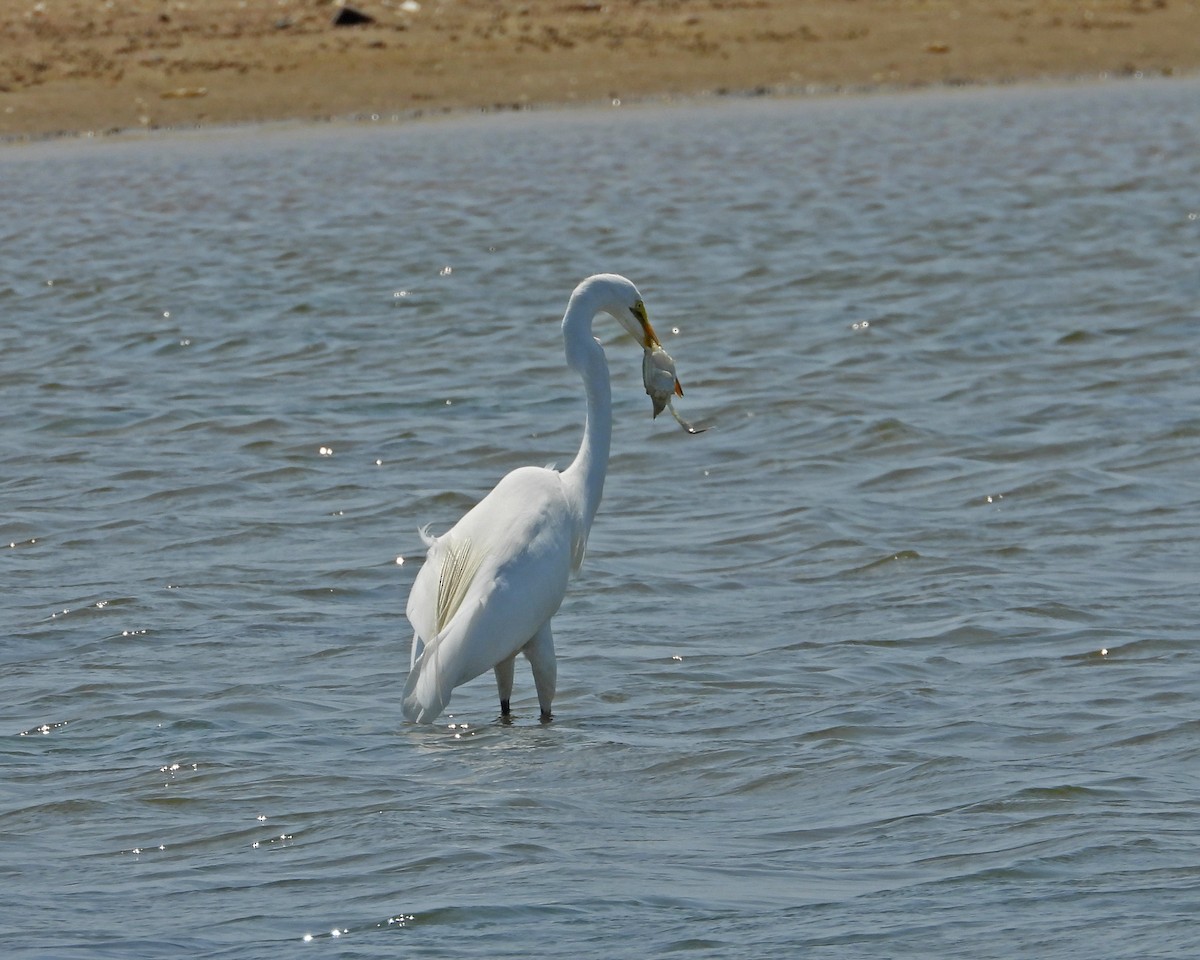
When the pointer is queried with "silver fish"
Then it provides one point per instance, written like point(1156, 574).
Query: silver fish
point(662, 385)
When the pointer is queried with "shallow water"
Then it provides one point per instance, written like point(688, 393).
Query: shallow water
point(896, 660)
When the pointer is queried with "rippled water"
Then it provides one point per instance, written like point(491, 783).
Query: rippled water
point(897, 660)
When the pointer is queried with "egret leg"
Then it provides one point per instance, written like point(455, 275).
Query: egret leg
point(540, 653)
point(504, 682)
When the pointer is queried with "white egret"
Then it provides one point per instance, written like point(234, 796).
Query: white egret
point(490, 585)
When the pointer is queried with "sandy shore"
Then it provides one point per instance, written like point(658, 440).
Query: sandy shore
point(68, 66)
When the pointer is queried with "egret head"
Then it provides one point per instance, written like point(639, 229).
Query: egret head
point(625, 304)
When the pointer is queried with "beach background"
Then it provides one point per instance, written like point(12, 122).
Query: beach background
point(98, 66)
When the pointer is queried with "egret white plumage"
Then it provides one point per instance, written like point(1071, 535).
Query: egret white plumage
point(490, 585)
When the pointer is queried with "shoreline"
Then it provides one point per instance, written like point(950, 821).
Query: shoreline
point(133, 134)
point(99, 67)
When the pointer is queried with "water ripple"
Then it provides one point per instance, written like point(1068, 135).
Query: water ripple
point(895, 659)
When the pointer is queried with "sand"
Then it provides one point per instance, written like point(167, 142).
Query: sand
point(73, 66)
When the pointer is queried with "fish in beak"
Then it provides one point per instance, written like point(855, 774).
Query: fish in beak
point(662, 386)
point(658, 367)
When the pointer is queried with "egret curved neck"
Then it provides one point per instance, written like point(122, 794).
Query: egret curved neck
point(586, 357)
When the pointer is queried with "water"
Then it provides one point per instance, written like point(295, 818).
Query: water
point(897, 660)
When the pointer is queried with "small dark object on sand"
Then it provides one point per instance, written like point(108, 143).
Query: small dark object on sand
point(349, 17)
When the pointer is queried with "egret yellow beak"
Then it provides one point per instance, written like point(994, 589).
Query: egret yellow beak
point(649, 339)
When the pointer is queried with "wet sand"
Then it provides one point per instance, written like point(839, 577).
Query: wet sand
point(72, 66)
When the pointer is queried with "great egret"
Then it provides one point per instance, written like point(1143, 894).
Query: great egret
point(490, 585)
